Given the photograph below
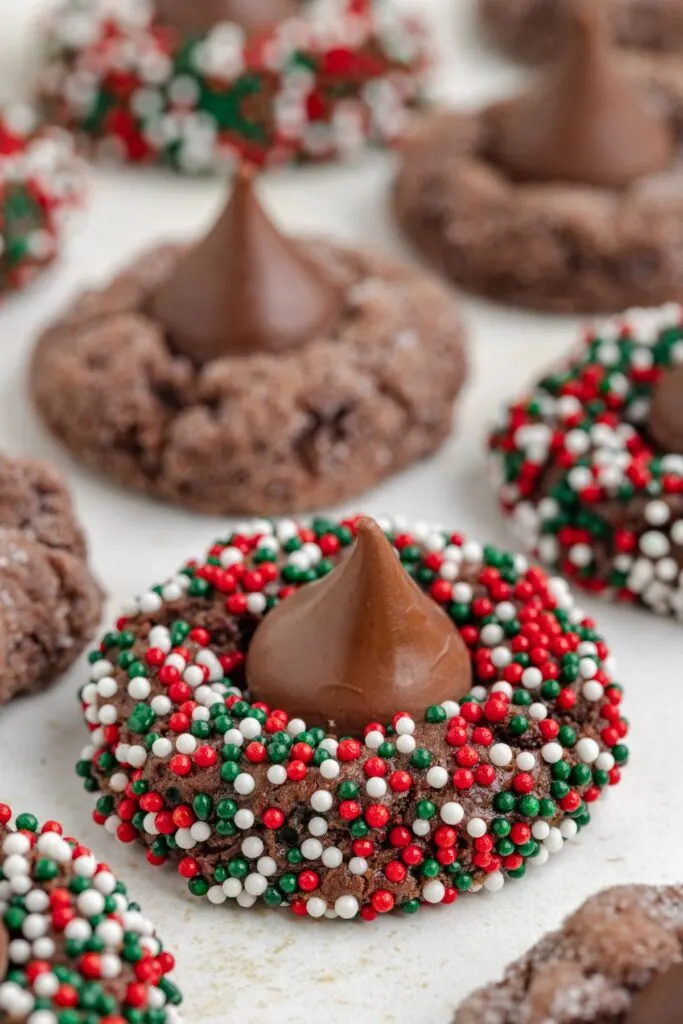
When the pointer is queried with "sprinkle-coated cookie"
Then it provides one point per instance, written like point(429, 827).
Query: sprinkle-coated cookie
point(250, 804)
point(318, 85)
point(42, 181)
point(73, 946)
point(589, 465)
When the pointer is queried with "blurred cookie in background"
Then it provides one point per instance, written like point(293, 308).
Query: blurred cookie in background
point(565, 198)
point(42, 183)
point(536, 30)
point(200, 87)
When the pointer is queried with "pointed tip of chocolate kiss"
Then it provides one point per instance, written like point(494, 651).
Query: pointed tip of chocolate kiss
point(589, 17)
point(244, 288)
point(371, 545)
point(194, 17)
point(359, 645)
point(584, 123)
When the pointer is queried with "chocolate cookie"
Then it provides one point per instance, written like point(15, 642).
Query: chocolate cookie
point(50, 604)
point(72, 944)
point(536, 30)
point(253, 372)
point(41, 183)
point(461, 718)
point(206, 84)
point(589, 462)
point(618, 958)
point(564, 199)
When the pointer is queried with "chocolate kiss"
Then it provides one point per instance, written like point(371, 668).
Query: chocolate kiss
point(665, 422)
point(358, 646)
point(584, 123)
point(243, 288)
point(195, 17)
point(661, 1002)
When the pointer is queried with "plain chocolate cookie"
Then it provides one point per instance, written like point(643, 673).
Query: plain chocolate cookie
point(263, 432)
point(617, 959)
point(535, 30)
point(50, 604)
point(564, 248)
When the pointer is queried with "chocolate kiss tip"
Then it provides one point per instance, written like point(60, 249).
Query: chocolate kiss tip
point(244, 288)
point(199, 16)
point(589, 16)
point(584, 123)
point(359, 645)
point(661, 1001)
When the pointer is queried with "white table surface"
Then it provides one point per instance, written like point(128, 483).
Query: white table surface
point(251, 966)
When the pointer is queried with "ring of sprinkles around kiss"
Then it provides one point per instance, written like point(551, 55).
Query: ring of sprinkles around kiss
point(583, 484)
point(317, 86)
point(250, 804)
point(42, 182)
point(73, 946)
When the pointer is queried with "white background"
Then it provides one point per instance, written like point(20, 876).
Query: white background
point(263, 966)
